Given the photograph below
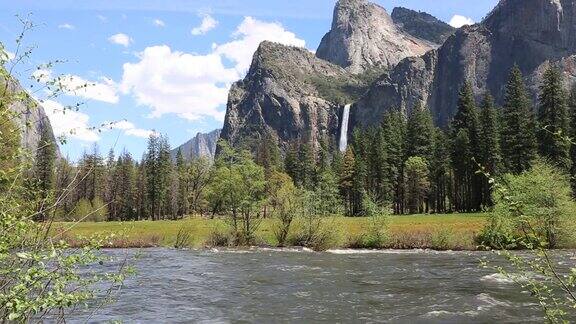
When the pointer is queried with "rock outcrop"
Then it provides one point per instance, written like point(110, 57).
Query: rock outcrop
point(288, 94)
point(291, 94)
point(529, 33)
point(364, 36)
point(422, 25)
point(202, 145)
point(31, 118)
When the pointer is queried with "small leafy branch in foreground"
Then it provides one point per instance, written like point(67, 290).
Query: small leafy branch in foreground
point(534, 211)
point(41, 277)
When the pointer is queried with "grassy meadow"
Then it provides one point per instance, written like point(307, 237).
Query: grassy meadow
point(440, 232)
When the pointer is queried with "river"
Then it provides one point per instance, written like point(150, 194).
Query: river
point(295, 286)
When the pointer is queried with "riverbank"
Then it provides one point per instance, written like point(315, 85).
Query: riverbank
point(438, 232)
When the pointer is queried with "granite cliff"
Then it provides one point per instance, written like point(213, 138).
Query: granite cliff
point(30, 117)
point(529, 33)
point(380, 62)
point(202, 145)
point(288, 94)
point(364, 36)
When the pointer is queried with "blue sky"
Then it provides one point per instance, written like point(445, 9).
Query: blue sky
point(164, 65)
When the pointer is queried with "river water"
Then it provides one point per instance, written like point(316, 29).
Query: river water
point(295, 286)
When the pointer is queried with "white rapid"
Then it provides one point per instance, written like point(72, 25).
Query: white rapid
point(344, 129)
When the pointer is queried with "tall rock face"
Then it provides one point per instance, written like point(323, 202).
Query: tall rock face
point(31, 118)
point(364, 36)
point(422, 25)
point(202, 145)
point(291, 95)
point(529, 33)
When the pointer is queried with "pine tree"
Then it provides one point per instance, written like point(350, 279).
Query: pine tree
point(377, 173)
point(465, 152)
point(553, 119)
point(268, 154)
point(306, 166)
point(347, 176)
point(125, 184)
point(291, 164)
point(91, 175)
point(164, 178)
point(44, 168)
point(417, 185)
point(393, 132)
point(111, 185)
point(518, 131)
point(182, 180)
point(153, 183)
point(440, 172)
point(461, 164)
point(489, 144)
point(63, 186)
point(142, 204)
point(420, 133)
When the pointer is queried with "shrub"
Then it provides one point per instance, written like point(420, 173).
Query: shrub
point(315, 228)
point(219, 237)
point(284, 200)
point(442, 239)
point(534, 208)
point(184, 237)
point(89, 212)
point(321, 238)
point(374, 233)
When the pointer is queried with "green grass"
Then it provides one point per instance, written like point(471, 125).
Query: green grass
point(456, 231)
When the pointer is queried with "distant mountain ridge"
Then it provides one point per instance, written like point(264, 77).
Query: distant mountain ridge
point(202, 145)
point(378, 62)
point(293, 95)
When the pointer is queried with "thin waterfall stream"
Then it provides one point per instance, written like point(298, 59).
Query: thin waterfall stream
point(344, 129)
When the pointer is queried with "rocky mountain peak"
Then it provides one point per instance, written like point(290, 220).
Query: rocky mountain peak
point(363, 36)
point(528, 33)
point(422, 25)
point(31, 118)
point(276, 60)
point(289, 94)
point(544, 25)
point(202, 145)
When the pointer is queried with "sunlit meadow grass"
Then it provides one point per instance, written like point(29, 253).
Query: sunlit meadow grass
point(442, 232)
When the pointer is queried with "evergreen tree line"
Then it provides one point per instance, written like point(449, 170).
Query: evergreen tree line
point(406, 163)
point(124, 189)
point(416, 167)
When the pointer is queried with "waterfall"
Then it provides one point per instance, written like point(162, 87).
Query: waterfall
point(344, 129)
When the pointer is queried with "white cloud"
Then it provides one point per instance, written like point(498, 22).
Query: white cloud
point(66, 26)
point(120, 39)
point(175, 82)
point(458, 21)
point(248, 35)
point(105, 90)
point(69, 123)
point(158, 23)
point(196, 86)
point(130, 129)
point(208, 23)
point(102, 18)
